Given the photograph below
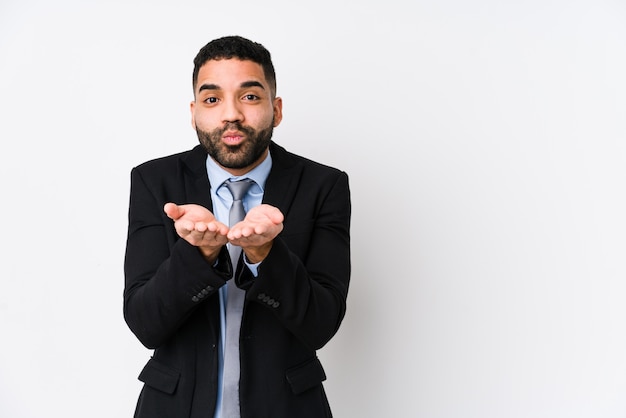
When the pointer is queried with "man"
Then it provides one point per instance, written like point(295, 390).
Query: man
point(291, 264)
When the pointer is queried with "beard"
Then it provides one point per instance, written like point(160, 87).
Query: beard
point(236, 156)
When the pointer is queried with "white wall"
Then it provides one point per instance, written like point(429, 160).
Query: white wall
point(498, 125)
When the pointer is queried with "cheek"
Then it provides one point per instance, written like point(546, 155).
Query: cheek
point(203, 120)
point(265, 118)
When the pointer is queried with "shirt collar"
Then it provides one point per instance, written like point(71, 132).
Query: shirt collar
point(217, 175)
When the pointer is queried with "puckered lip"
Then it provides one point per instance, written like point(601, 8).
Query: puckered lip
point(232, 133)
point(233, 137)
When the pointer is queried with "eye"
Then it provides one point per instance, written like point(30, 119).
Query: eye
point(211, 100)
point(250, 97)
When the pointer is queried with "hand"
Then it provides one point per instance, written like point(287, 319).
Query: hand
point(257, 231)
point(197, 225)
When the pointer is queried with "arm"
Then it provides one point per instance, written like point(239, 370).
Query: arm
point(304, 278)
point(197, 225)
point(164, 275)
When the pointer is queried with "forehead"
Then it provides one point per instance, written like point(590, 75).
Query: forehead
point(230, 73)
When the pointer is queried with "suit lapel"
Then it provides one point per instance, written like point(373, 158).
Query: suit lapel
point(282, 182)
point(198, 189)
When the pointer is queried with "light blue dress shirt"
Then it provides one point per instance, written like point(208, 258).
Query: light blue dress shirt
point(222, 200)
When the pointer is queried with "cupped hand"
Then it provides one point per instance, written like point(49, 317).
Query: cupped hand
point(257, 231)
point(198, 226)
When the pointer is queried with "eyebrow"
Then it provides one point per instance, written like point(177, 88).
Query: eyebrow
point(208, 87)
point(244, 85)
point(247, 84)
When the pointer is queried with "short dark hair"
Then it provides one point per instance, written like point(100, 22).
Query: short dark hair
point(229, 47)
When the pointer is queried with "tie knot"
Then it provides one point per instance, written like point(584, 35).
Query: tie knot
point(239, 188)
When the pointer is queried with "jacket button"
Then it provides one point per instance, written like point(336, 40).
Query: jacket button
point(266, 298)
point(276, 305)
point(271, 301)
point(195, 299)
point(209, 288)
point(204, 292)
point(261, 296)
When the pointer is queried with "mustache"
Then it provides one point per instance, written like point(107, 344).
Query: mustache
point(236, 126)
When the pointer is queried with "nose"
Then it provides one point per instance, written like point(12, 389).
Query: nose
point(232, 111)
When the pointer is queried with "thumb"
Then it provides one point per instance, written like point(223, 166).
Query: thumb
point(173, 211)
point(276, 216)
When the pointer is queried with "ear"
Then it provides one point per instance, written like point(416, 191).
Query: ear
point(192, 107)
point(278, 111)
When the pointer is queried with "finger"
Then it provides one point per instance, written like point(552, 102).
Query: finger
point(217, 227)
point(184, 225)
point(272, 213)
point(260, 229)
point(234, 234)
point(196, 237)
point(246, 232)
point(276, 216)
point(200, 227)
point(172, 210)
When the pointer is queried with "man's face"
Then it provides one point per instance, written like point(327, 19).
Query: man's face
point(234, 113)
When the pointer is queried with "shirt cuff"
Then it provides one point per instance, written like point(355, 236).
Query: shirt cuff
point(253, 267)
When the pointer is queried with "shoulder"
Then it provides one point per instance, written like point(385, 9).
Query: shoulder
point(192, 159)
point(288, 160)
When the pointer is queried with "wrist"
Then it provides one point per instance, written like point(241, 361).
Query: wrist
point(210, 254)
point(255, 255)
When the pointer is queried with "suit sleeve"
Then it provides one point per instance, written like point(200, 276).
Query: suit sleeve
point(304, 279)
point(166, 278)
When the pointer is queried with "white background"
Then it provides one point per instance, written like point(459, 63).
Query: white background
point(499, 126)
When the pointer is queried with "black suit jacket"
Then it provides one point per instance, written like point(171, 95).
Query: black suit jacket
point(292, 308)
